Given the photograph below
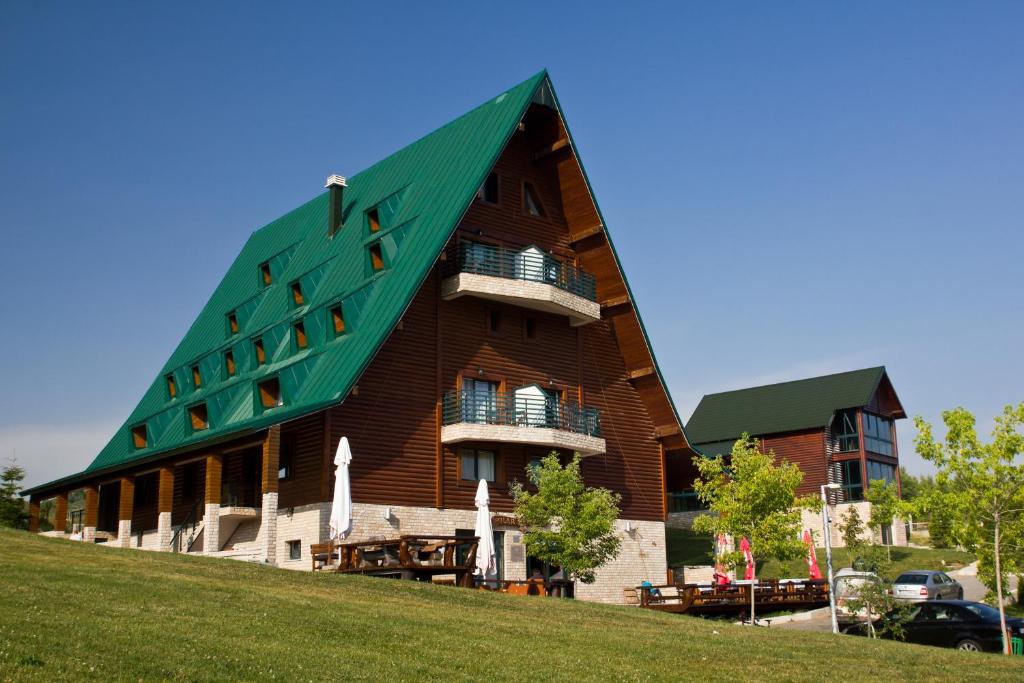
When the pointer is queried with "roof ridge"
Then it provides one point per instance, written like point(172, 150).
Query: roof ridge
point(797, 381)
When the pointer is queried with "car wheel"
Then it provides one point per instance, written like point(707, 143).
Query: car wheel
point(969, 645)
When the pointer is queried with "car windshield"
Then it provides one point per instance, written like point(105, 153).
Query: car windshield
point(918, 579)
point(984, 611)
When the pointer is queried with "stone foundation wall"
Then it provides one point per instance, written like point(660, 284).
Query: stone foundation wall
point(641, 558)
point(683, 520)
point(812, 520)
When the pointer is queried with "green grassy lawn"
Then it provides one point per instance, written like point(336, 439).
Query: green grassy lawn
point(903, 559)
point(70, 611)
point(686, 547)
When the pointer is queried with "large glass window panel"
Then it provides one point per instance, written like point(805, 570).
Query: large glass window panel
point(853, 487)
point(844, 430)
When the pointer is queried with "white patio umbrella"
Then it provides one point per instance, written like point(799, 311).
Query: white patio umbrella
point(485, 565)
point(341, 505)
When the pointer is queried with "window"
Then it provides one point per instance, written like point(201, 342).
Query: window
point(139, 436)
point(494, 321)
point(296, 289)
point(887, 535)
point(880, 471)
point(294, 550)
point(477, 464)
point(373, 220)
point(198, 417)
point(229, 364)
point(260, 354)
point(172, 387)
point(530, 327)
point(269, 391)
point(197, 378)
point(488, 192)
point(232, 323)
point(301, 341)
point(285, 461)
point(531, 202)
point(844, 430)
point(877, 434)
point(337, 320)
point(265, 278)
point(479, 401)
point(376, 258)
point(850, 480)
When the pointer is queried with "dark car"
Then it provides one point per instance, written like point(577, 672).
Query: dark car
point(959, 624)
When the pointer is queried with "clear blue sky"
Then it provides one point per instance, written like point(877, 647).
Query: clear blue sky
point(794, 188)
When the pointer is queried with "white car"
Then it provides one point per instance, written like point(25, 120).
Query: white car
point(847, 581)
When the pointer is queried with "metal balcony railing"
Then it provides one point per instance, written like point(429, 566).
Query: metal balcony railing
point(684, 501)
point(529, 264)
point(517, 410)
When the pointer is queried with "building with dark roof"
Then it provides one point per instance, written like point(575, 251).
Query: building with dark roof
point(456, 310)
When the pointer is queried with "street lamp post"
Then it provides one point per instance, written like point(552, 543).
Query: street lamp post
point(826, 523)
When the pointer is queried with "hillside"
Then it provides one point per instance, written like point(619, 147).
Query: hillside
point(71, 611)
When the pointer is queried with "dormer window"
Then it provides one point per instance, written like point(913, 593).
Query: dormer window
point(269, 392)
point(260, 354)
point(373, 220)
point(265, 277)
point(531, 202)
point(229, 364)
point(299, 330)
point(198, 417)
point(337, 320)
point(172, 387)
point(376, 258)
point(488, 192)
point(140, 438)
point(232, 323)
point(197, 377)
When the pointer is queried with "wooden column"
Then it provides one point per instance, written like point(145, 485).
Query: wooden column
point(270, 466)
point(60, 512)
point(126, 505)
point(33, 514)
point(91, 513)
point(164, 507)
point(211, 516)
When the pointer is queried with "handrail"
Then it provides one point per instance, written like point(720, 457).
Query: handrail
point(518, 410)
point(190, 518)
point(521, 264)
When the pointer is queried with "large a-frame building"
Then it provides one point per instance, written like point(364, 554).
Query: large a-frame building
point(456, 310)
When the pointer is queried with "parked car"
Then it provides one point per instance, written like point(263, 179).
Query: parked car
point(958, 624)
point(847, 582)
point(926, 584)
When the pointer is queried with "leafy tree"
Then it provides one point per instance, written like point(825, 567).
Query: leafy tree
point(755, 498)
point(885, 507)
point(12, 506)
point(567, 523)
point(874, 598)
point(852, 530)
point(982, 485)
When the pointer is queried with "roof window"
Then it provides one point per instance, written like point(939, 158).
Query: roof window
point(229, 364)
point(296, 289)
point(140, 438)
point(265, 277)
point(232, 323)
point(261, 355)
point(172, 387)
point(376, 257)
point(373, 220)
point(301, 341)
point(198, 417)
point(197, 377)
point(337, 320)
point(269, 391)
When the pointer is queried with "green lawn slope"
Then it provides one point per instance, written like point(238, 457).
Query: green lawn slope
point(70, 611)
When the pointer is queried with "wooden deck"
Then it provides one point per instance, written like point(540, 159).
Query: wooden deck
point(406, 557)
point(706, 599)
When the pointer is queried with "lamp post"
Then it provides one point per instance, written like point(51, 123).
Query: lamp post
point(828, 553)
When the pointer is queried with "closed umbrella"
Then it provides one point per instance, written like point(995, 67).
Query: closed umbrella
point(721, 548)
point(745, 547)
point(341, 505)
point(812, 560)
point(485, 565)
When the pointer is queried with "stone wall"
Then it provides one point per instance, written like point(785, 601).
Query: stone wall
point(642, 558)
point(812, 520)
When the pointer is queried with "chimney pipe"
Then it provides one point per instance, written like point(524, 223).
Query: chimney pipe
point(336, 184)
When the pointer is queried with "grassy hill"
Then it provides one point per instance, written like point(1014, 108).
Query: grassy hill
point(79, 612)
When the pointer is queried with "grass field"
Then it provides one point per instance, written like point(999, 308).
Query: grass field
point(70, 611)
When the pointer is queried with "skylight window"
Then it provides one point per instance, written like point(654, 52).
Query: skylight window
point(198, 417)
point(301, 341)
point(197, 377)
point(373, 220)
point(140, 438)
point(531, 202)
point(229, 364)
point(488, 192)
point(337, 320)
point(269, 391)
point(172, 387)
point(232, 323)
point(296, 289)
point(260, 354)
point(376, 258)
point(265, 277)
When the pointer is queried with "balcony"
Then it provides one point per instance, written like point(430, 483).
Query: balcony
point(528, 278)
point(524, 416)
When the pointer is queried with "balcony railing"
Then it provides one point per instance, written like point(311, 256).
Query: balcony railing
point(517, 410)
point(529, 264)
point(685, 501)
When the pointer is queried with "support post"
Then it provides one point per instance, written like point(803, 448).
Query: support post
point(91, 513)
point(60, 512)
point(124, 515)
point(164, 506)
point(211, 515)
point(268, 522)
point(33, 514)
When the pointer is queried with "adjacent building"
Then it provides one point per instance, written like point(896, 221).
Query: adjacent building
point(456, 310)
point(840, 429)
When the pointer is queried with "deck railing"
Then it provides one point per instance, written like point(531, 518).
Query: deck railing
point(517, 410)
point(685, 501)
point(529, 264)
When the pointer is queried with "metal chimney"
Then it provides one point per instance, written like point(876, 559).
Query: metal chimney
point(336, 184)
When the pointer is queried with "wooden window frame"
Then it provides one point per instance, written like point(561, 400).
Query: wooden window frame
point(499, 464)
point(300, 340)
point(269, 394)
point(230, 367)
point(481, 193)
point(536, 195)
point(140, 436)
point(333, 319)
point(199, 416)
point(295, 292)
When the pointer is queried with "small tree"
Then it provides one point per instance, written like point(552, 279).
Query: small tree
point(567, 524)
point(852, 530)
point(982, 485)
point(12, 506)
point(873, 597)
point(751, 496)
point(885, 506)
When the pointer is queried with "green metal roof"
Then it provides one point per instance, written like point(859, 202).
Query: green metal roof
point(775, 408)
